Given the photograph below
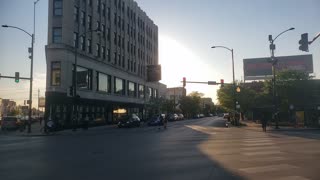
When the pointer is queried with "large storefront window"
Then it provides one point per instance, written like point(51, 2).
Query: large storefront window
point(104, 82)
point(55, 73)
point(84, 78)
point(141, 91)
point(132, 89)
point(119, 86)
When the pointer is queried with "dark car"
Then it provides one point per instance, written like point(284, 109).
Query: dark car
point(129, 121)
point(155, 121)
point(10, 123)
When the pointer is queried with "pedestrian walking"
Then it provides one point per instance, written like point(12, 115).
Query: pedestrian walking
point(264, 122)
point(164, 121)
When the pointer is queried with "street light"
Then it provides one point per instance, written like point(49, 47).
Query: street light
point(31, 73)
point(31, 58)
point(274, 62)
point(74, 83)
point(234, 83)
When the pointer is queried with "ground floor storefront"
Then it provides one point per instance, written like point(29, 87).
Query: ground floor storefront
point(67, 112)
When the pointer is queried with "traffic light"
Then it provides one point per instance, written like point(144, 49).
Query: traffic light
point(30, 53)
point(184, 81)
point(222, 82)
point(16, 78)
point(304, 43)
point(71, 91)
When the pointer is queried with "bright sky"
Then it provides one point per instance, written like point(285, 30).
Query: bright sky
point(187, 30)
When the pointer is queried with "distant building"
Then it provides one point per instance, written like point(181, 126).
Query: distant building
point(176, 93)
point(117, 68)
point(7, 106)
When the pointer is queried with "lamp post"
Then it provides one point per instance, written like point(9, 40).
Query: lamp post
point(74, 82)
point(233, 79)
point(31, 58)
point(31, 72)
point(274, 62)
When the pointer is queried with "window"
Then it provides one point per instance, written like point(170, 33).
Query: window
point(84, 78)
point(89, 22)
point(108, 13)
point(83, 18)
point(75, 40)
point(119, 86)
point(98, 50)
point(123, 63)
point(103, 29)
point(150, 92)
point(108, 54)
point(55, 73)
point(76, 14)
point(89, 45)
point(115, 38)
point(82, 43)
point(103, 52)
point(57, 8)
point(98, 25)
point(156, 95)
point(132, 89)
point(57, 35)
point(104, 82)
point(141, 91)
point(98, 5)
point(103, 10)
point(108, 34)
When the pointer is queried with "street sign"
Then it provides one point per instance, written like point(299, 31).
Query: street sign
point(238, 106)
point(212, 82)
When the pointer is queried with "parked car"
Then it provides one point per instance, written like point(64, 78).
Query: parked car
point(172, 117)
point(201, 115)
point(180, 117)
point(156, 121)
point(129, 121)
point(10, 122)
point(196, 116)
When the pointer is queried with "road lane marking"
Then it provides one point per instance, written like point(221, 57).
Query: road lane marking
point(258, 148)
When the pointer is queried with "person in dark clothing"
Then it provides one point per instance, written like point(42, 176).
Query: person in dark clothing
point(264, 122)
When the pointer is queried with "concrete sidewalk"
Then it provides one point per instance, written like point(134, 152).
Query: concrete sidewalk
point(257, 126)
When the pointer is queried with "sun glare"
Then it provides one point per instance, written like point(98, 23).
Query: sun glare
point(178, 61)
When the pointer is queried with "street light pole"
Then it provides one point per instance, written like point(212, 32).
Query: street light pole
point(274, 63)
point(233, 76)
point(31, 58)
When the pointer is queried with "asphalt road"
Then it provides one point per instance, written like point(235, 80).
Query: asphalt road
point(191, 149)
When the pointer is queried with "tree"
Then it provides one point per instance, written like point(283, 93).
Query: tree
point(190, 105)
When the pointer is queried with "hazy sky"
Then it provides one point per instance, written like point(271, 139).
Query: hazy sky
point(187, 30)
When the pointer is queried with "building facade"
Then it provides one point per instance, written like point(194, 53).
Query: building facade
point(113, 42)
point(176, 93)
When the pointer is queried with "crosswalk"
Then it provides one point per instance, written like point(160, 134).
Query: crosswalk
point(259, 155)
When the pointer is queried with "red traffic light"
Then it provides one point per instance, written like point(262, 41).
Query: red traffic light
point(221, 82)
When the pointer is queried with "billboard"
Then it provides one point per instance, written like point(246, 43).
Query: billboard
point(154, 73)
point(261, 68)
